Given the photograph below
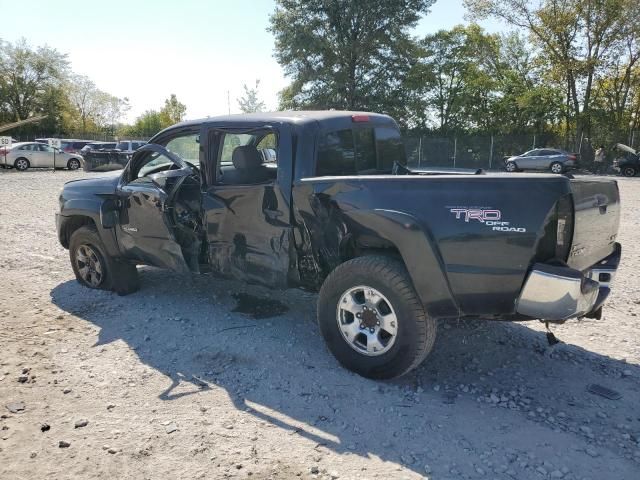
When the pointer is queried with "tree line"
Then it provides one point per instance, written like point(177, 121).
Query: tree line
point(39, 80)
point(567, 67)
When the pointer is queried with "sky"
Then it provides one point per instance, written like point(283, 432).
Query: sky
point(203, 51)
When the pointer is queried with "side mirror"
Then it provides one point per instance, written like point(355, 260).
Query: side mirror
point(269, 155)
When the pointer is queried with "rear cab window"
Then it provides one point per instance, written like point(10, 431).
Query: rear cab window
point(366, 150)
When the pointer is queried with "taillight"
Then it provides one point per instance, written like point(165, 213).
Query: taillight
point(359, 118)
point(572, 157)
point(564, 226)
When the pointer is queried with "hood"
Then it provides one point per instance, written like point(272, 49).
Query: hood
point(104, 184)
point(625, 148)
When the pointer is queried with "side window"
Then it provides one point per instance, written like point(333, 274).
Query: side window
point(243, 161)
point(186, 147)
point(359, 151)
point(25, 147)
point(229, 144)
point(365, 150)
point(389, 148)
point(336, 154)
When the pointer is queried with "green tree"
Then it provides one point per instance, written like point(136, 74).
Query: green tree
point(173, 111)
point(527, 99)
point(94, 108)
point(250, 102)
point(27, 78)
point(145, 125)
point(454, 78)
point(576, 37)
point(345, 54)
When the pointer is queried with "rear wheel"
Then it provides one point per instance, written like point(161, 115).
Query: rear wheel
point(629, 172)
point(21, 164)
point(73, 164)
point(556, 167)
point(372, 319)
point(511, 167)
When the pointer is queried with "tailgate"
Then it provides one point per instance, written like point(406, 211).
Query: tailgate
point(597, 215)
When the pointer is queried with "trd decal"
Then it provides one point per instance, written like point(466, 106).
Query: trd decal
point(476, 214)
point(487, 216)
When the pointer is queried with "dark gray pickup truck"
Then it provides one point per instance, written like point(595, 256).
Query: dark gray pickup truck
point(323, 201)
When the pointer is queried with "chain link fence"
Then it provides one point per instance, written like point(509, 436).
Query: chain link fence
point(474, 151)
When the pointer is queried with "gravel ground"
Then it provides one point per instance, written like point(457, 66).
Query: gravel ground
point(174, 382)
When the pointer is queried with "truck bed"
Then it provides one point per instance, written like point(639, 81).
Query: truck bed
point(486, 231)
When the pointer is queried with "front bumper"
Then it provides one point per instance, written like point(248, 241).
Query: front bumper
point(557, 293)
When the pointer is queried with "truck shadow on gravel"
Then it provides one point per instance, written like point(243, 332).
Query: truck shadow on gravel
point(490, 398)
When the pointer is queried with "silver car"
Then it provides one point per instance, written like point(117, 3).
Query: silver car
point(543, 159)
point(25, 155)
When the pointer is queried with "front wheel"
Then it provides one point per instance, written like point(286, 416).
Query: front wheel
point(556, 167)
point(372, 319)
point(511, 167)
point(629, 172)
point(94, 268)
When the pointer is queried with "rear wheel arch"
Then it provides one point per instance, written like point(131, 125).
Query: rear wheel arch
point(401, 236)
point(354, 246)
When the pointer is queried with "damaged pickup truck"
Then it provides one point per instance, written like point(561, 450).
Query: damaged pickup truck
point(322, 201)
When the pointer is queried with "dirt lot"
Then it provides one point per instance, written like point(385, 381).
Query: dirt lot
point(171, 382)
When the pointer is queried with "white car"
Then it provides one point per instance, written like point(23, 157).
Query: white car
point(24, 155)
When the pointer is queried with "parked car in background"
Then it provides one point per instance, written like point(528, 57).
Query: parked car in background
point(98, 147)
point(628, 160)
point(543, 159)
point(24, 155)
point(129, 145)
point(68, 145)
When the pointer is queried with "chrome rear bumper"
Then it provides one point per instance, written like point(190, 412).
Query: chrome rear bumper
point(556, 293)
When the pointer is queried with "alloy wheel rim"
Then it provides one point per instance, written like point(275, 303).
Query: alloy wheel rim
point(367, 321)
point(74, 164)
point(556, 168)
point(510, 167)
point(89, 265)
point(22, 165)
point(629, 172)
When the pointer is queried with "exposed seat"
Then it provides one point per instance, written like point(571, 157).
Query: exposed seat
point(247, 167)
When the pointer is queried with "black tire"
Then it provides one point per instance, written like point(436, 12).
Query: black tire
point(511, 167)
point(115, 274)
point(73, 164)
point(21, 164)
point(629, 171)
point(556, 167)
point(416, 331)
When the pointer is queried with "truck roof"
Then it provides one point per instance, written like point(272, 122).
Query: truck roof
point(297, 117)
